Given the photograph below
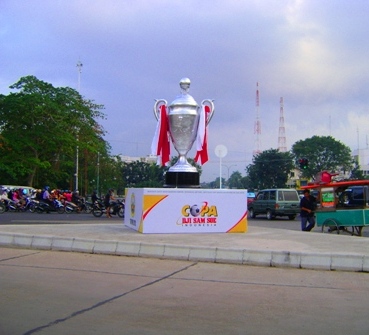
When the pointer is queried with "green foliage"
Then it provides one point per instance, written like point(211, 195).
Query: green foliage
point(142, 174)
point(246, 183)
point(41, 126)
point(235, 180)
point(216, 183)
point(323, 153)
point(356, 173)
point(270, 168)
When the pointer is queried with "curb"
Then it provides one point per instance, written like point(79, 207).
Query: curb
point(313, 261)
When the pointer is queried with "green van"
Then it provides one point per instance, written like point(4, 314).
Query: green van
point(275, 202)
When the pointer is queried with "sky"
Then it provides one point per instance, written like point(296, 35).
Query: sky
point(313, 53)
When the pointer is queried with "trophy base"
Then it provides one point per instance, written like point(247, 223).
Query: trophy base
point(182, 179)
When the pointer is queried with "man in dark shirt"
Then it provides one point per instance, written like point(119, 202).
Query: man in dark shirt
point(94, 196)
point(107, 201)
point(307, 205)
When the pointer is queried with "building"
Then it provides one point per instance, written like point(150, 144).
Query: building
point(146, 159)
point(362, 157)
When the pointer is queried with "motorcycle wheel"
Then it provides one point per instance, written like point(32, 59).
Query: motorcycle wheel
point(32, 208)
point(87, 209)
point(68, 209)
point(97, 212)
point(11, 208)
point(39, 210)
point(121, 212)
point(60, 210)
point(2, 208)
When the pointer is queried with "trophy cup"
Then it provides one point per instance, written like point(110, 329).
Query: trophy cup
point(183, 122)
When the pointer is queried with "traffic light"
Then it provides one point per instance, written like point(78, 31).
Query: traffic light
point(304, 163)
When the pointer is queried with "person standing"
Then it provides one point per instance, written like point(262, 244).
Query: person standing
point(94, 197)
point(108, 198)
point(307, 206)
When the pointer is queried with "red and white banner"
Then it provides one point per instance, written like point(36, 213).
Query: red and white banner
point(202, 137)
point(161, 143)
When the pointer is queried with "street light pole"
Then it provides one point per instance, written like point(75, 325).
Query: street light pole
point(220, 151)
point(98, 174)
point(79, 69)
point(220, 172)
point(228, 168)
point(77, 164)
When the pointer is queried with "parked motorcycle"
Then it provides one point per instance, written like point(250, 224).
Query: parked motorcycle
point(83, 206)
point(116, 208)
point(56, 206)
point(30, 205)
point(2, 207)
point(71, 207)
point(11, 206)
point(87, 207)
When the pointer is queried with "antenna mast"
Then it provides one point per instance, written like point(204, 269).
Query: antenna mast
point(257, 126)
point(79, 69)
point(282, 134)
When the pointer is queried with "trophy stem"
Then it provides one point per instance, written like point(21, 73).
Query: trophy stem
point(182, 174)
point(182, 165)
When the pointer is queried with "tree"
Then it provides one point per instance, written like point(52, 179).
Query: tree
point(356, 172)
point(110, 175)
point(142, 174)
point(235, 180)
point(269, 169)
point(40, 128)
point(216, 182)
point(323, 153)
point(246, 183)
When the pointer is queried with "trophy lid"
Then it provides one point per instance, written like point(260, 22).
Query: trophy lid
point(184, 99)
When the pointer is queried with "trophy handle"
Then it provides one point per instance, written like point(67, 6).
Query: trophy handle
point(158, 104)
point(210, 104)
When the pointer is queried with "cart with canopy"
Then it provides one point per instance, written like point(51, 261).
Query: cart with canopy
point(342, 206)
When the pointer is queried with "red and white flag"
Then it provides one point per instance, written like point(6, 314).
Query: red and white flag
point(202, 137)
point(161, 145)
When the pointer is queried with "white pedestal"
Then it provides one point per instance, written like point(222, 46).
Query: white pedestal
point(185, 210)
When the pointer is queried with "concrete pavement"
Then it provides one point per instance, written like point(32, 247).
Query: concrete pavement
point(259, 246)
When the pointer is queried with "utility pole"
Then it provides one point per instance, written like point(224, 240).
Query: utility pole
point(257, 126)
point(282, 134)
point(79, 69)
point(98, 175)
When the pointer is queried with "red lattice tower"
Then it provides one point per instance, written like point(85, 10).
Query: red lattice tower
point(282, 134)
point(257, 125)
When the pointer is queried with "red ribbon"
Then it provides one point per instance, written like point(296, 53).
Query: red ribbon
point(202, 154)
point(163, 148)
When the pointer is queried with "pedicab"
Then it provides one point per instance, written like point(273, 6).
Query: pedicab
point(342, 206)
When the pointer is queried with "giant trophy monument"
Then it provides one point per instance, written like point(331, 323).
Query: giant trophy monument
point(181, 206)
point(186, 123)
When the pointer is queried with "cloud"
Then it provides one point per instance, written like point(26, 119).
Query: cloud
point(314, 54)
